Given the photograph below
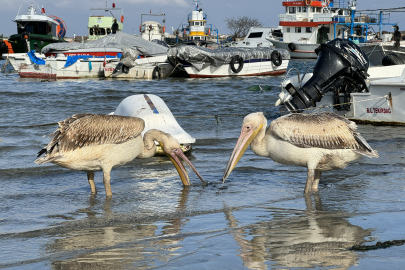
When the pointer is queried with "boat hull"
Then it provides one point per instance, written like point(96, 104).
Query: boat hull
point(95, 52)
point(253, 67)
point(36, 42)
point(376, 52)
point(54, 69)
point(381, 105)
point(302, 51)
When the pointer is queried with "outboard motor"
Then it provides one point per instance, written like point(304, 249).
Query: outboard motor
point(341, 66)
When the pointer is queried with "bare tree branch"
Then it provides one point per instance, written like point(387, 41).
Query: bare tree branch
point(240, 26)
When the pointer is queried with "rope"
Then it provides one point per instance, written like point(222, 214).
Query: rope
point(218, 116)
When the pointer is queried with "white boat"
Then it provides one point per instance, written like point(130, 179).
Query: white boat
point(307, 24)
point(200, 62)
point(257, 37)
point(157, 115)
point(342, 82)
point(55, 68)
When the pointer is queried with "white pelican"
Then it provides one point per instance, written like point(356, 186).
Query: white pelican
point(320, 142)
point(94, 142)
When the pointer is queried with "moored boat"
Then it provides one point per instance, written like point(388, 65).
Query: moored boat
point(100, 25)
point(340, 84)
point(307, 24)
point(200, 62)
point(35, 31)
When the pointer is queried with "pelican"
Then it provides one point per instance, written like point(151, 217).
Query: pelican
point(94, 142)
point(318, 141)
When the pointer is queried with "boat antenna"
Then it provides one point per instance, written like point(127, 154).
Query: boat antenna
point(19, 10)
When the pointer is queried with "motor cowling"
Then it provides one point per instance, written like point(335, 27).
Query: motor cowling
point(340, 63)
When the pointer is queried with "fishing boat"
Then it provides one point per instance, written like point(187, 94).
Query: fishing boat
point(306, 24)
point(100, 25)
point(157, 115)
point(35, 31)
point(200, 62)
point(197, 28)
point(342, 82)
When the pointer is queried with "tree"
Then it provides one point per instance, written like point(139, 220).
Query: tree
point(240, 26)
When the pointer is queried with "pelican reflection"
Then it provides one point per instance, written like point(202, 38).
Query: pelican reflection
point(313, 238)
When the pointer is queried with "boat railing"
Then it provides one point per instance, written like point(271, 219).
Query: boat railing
point(288, 72)
point(289, 17)
point(327, 17)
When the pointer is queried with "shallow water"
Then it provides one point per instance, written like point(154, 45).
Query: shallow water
point(258, 219)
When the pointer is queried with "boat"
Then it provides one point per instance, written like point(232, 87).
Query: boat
point(100, 26)
point(84, 60)
point(306, 24)
point(386, 51)
point(35, 31)
point(342, 82)
point(197, 28)
point(157, 115)
point(200, 62)
point(257, 37)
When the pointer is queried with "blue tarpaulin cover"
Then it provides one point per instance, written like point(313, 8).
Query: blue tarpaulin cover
point(73, 59)
point(35, 59)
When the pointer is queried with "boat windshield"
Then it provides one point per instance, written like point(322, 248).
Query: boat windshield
point(255, 35)
point(41, 28)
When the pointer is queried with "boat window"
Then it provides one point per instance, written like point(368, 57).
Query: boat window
point(108, 31)
point(286, 9)
point(54, 30)
point(255, 35)
point(297, 29)
point(91, 32)
point(304, 9)
point(191, 23)
point(298, 9)
point(318, 9)
point(29, 29)
point(308, 29)
point(197, 23)
point(292, 9)
point(102, 31)
point(312, 9)
point(288, 29)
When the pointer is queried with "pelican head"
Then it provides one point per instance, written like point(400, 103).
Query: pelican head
point(251, 126)
point(173, 150)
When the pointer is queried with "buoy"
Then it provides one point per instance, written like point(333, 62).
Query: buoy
point(122, 18)
point(308, 2)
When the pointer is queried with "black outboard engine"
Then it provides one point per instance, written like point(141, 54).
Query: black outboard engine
point(341, 66)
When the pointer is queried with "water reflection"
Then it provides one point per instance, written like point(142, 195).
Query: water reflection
point(119, 247)
point(309, 239)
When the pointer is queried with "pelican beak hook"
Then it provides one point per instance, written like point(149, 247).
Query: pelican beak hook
point(174, 157)
point(246, 137)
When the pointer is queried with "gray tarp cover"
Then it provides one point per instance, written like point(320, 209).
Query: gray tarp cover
point(200, 57)
point(119, 40)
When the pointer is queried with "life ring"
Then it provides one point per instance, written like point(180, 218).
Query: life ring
point(291, 46)
point(238, 59)
point(23, 34)
point(308, 2)
point(276, 58)
point(156, 73)
point(122, 18)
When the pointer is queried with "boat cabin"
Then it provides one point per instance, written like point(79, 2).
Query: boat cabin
point(99, 26)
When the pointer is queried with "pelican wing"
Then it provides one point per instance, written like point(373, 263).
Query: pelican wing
point(322, 130)
point(93, 129)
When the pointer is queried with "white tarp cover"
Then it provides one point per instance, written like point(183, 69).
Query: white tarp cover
point(119, 40)
point(200, 57)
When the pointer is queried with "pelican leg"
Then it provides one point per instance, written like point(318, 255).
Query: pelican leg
point(90, 177)
point(316, 180)
point(310, 180)
point(106, 181)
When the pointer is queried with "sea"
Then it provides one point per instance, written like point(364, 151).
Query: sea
point(258, 219)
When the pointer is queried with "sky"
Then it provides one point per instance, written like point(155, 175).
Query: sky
point(75, 13)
